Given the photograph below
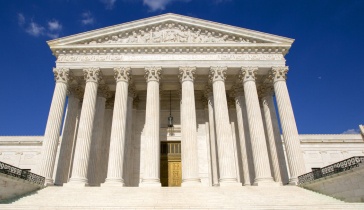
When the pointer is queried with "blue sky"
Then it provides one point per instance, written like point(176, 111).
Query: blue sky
point(326, 61)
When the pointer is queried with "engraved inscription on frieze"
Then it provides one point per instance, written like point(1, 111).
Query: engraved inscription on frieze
point(170, 33)
point(172, 57)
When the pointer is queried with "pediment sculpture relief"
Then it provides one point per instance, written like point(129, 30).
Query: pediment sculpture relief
point(170, 33)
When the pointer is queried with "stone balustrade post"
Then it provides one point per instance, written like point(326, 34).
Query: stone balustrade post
point(190, 176)
point(288, 123)
point(84, 136)
point(51, 136)
point(260, 154)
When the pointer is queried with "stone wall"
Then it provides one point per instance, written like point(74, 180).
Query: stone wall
point(347, 186)
point(12, 187)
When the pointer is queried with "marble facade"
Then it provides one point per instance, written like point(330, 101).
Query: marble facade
point(223, 81)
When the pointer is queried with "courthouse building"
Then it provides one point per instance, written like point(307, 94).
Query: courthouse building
point(173, 101)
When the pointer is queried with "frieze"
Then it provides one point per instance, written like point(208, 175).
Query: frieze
point(134, 57)
point(169, 33)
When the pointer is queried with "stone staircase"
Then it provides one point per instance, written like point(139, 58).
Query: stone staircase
point(282, 197)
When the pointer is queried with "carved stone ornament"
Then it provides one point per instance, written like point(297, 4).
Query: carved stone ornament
point(187, 73)
point(75, 91)
point(278, 73)
point(169, 33)
point(265, 90)
point(217, 74)
point(248, 73)
point(92, 75)
point(131, 91)
point(122, 74)
point(109, 104)
point(104, 91)
point(208, 91)
point(153, 73)
point(237, 90)
point(170, 57)
point(62, 75)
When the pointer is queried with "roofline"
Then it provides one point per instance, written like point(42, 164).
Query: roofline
point(169, 16)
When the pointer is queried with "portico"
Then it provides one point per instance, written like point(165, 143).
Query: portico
point(119, 82)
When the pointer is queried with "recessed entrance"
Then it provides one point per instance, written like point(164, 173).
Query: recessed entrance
point(171, 167)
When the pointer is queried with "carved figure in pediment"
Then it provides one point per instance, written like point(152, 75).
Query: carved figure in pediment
point(157, 35)
point(196, 36)
point(133, 38)
point(145, 37)
point(169, 36)
point(182, 35)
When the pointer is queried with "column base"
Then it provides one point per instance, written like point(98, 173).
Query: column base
point(150, 183)
point(229, 183)
point(48, 182)
point(77, 182)
point(293, 181)
point(191, 182)
point(267, 182)
point(113, 183)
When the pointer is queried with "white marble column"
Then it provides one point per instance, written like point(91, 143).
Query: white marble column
point(94, 167)
point(84, 136)
point(288, 123)
point(260, 154)
point(118, 129)
point(53, 127)
point(239, 100)
point(69, 129)
point(105, 148)
point(129, 131)
point(213, 148)
point(151, 175)
point(266, 94)
point(224, 138)
point(190, 176)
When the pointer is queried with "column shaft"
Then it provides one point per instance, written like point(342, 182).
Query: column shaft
point(129, 132)
point(256, 128)
point(151, 175)
point(190, 176)
point(118, 129)
point(239, 115)
point(51, 135)
point(227, 167)
point(84, 136)
point(288, 123)
point(96, 143)
point(106, 139)
point(213, 147)
point(64, 160)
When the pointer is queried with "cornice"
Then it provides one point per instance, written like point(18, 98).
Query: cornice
point(178, 19)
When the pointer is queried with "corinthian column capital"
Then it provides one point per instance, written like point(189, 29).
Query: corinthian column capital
point(76, 91)
point(217, 73)
point(153, 73)
point(122, 74)
point(62, 75)
point(104, 91)
point(278, 73)
point(187, 73)
point(92, 74)
point(248, 73)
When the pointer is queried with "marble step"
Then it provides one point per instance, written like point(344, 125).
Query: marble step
point(282, 197)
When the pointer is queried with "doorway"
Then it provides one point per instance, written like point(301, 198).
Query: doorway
point(171, 167)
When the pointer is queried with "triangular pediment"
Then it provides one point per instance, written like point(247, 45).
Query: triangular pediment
point(169, 29)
